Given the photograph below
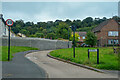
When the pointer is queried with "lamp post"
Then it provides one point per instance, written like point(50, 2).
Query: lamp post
point(68, 37)
point(73, 29)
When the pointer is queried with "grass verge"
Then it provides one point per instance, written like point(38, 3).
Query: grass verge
point(108, 60)
point(13, 50)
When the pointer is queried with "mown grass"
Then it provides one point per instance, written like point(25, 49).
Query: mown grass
point(108, 59)
point(13, 50)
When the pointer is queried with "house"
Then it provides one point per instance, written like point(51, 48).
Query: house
point(4, 28)
point(21, 35)
point(82, 37)
point(107, 33)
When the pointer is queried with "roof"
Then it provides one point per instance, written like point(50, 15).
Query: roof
point(82, 33)
point(101, 25)
point(3, 21)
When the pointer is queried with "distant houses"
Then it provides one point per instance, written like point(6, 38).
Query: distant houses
point(4, 28)
point(21, 35)
point(82, 36)
point(107, 33)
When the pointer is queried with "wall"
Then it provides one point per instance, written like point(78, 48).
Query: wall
point(42, 44)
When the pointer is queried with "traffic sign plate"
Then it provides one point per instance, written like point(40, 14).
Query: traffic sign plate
point(92, 50)
point(9, 22)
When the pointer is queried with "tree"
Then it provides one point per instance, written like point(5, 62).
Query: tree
point(40, 35)
point(51, 35)
point(76, 37)
point(62, 30)
point(23, 31)
point(44, 31)
point(91, 39)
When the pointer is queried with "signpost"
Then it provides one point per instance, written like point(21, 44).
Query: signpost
point(9, 23)
point(94, 50)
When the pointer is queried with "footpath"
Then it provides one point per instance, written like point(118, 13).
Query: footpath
point(21, 67)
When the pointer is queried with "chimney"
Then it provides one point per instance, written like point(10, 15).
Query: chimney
point(1, 16)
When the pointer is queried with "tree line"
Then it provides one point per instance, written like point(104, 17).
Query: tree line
point(56, 29)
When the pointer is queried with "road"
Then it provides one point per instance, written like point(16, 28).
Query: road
point(21, 67)
point(59, 69)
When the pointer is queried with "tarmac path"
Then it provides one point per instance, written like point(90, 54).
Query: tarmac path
point(59, 69)
point(21, 67)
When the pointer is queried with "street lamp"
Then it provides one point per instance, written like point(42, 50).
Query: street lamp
point(73, 29)
point(68, 36)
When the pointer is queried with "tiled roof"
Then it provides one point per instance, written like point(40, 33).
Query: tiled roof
point(82, 33)
point(101, 25)
point(3, 21)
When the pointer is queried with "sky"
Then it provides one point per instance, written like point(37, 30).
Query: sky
point(51, 11)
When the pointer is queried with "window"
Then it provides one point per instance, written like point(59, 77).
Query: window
point(78, 37)
point(83, 37)
point(113, 33)
point(111, 41)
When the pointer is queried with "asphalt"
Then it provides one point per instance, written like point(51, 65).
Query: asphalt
point(21, 67)
point(59, 69)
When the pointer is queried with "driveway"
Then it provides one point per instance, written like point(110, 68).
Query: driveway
point(21, 67)
point(59, 69)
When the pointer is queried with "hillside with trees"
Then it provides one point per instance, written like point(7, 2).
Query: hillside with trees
point(56, 29)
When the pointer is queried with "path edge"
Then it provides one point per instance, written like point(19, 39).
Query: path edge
point(32, 51)
point(76, 64)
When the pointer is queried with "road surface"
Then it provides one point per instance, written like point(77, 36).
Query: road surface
point(59, 69)
point(21, 67)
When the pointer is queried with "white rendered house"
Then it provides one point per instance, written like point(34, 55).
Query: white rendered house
point(4, 28)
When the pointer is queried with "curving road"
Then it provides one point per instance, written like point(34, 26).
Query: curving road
point(58, 69)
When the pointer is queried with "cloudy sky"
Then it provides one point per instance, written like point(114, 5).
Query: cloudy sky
point(50, 11)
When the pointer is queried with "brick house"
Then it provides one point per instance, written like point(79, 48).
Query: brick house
point(107, 33)
point(82, 36)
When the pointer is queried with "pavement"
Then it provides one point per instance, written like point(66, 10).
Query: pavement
point(21, 67)
point(59, 69)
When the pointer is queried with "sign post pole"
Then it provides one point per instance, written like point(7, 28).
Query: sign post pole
point(9, 23)
point(9, 44)
point(94, 50)
point(88, 54)
point(97, 56)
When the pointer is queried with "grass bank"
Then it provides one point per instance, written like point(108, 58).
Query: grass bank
point(108, 60)
point(13, 50)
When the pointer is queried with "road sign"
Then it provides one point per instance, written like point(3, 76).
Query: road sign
point(9, 22)
point(92, 50)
